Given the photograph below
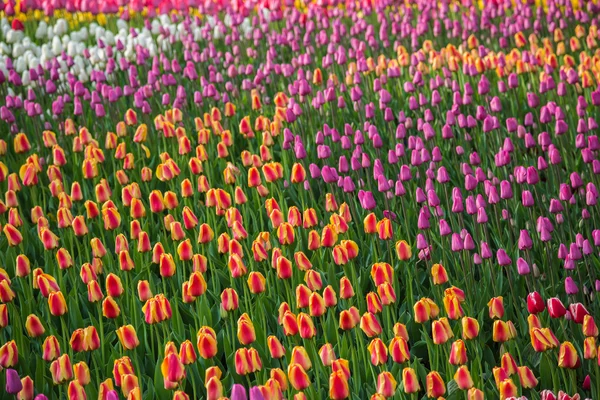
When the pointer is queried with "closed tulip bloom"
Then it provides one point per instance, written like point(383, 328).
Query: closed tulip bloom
point(470, 328)
point(458, 353)
point(501, 331)
point(6, 293)
point(589, 348)
point(110, 308)
point(85, 339)
point(9, 354)
point(50, 348)
point(245, 330)
point(27, 392)
point(346, 321)
point(327, 354)
point(94, 291)
point(166, 265)
point(539, 340)
point(386, 384)
point(535, 303)
point(453, 307)
point(313, 280)
point(229, 300)
point(306, 327)
point(370, 223)
point(378, 352)
point(440, 331)
point(214, 388)
point(128, 337)
point(435, 385)
point(329, 236)
point(61, 370)
point(256, 282)
point(280, 378)
point(206, 342)
point(12, 234)
point(114, 287)
point(567, 356)
point(57, 304)
point(439, 275)
point(556, 309)
point(507, 389)
point(463, 378)
point(385, 230)
point(346, 289)
point(589, 326)
point(370, 325)
point(34, 326)
point(275, 347)
point(398, 349)
point(373, 303)
point(338, 386)
point(422, 311)
point(298, 377)
point(23, 266)
point(238, 392)
point(475, 394)
point(205, 234)
point(197, 284)
point(172, 370)
point(508, 364)
point(76, 391)
point(496, 307)
point(81, 373)
point(314, 240)
point(300, 356)
point(410, 381)
point(527, 378)
point(403, 250)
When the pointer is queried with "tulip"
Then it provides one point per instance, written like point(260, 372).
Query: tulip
point(298, 377)
point(410, 381)
point(81, 373)
point(507, 389)
point(338, 386)
point(496, 307)
point(555, 308)
point(403, 250)
point(567, 356)
point(206, 342)
point(463, 378)
point(34, 326)
point(435, 385)
point(128, 337)
point(57, 304)
point(13, 382)
point(527, 378)
point(60, 370)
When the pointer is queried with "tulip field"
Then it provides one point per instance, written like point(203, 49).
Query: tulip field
point(278, 199)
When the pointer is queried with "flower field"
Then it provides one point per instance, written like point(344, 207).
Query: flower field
point(299, 200)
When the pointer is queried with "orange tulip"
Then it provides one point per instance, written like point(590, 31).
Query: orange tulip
point(128, 337)
point(61, 370)
point(463, 378)
point(298, 377)
point(34, 326)
point(567, 356)
point(410, 381)
point(57, 304)
point(338, 386)
point(435, 385)
point(245, 330)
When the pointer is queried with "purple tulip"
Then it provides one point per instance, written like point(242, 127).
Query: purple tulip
point(13, 381)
